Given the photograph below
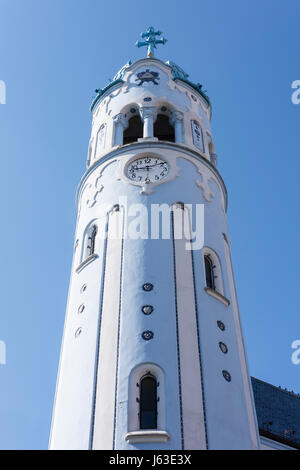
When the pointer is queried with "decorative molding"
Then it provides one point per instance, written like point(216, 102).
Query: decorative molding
point(184, 152)
point(121, 119)
point(94, 188)
point(176, 116)
point(121, 72)
point(147, 76)
point(102, 93)
point(147, 139)
point(93, 191)
point(100, 139)
point(217, 296)
point(203, 185)
point(177, 71)
point(147, 112)
point(87, 261)
point(175, 82)
point(147, 436)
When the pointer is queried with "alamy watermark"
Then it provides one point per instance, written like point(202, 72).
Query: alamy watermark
point(2, 92)
point(296, 354)
point(2, 353)
point(159, 222)
point(296, 94)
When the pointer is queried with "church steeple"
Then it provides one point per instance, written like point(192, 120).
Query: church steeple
point(153, 354)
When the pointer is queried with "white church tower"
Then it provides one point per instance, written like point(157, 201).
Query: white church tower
point(153, 354)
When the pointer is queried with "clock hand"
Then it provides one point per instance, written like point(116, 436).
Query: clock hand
point(147, 167)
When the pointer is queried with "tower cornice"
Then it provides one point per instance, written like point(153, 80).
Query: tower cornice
point(152, 145)
point(183, 80)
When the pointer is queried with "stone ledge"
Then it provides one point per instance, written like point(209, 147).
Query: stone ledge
point(147, 139)
point(147, 436)
point(217, 296)
point(87, 261)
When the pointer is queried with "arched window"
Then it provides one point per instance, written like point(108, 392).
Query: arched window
point(134, 131)
point(209, 272)
point(148, 402)
point(163, 129)
point(90, 241)
point(213, 270)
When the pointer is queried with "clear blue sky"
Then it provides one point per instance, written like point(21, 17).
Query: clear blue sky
point(53, 54)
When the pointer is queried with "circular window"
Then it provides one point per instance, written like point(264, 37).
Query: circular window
point(146, 335)
point(147, 309)
point(221, 325)
point(81, 308)
point(148, 286)
point(223, 347)
point(78, 332)
point(226, 375)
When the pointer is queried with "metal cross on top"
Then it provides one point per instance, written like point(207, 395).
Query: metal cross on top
point(150, 40)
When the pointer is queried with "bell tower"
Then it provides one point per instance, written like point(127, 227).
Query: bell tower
point(152, 354)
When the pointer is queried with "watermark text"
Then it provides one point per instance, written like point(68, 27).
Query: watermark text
point(2, 92)
point(296, 354)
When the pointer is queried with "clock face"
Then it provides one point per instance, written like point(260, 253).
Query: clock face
point(147, 169)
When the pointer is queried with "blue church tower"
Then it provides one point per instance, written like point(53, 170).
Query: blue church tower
point(153, 354)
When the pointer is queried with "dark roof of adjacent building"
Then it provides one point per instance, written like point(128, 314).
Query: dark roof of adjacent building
point(278, 413)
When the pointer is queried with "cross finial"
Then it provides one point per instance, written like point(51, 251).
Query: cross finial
point(150, 40)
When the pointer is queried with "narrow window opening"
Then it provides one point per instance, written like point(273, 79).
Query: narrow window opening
point(163, 129)
point(91, 241)
point(148, 402)
point(209, 272)
point(134, 131)
point(211, 148)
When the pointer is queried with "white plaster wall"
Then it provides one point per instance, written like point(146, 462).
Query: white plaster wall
point(103, 433)
point(193, 416)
